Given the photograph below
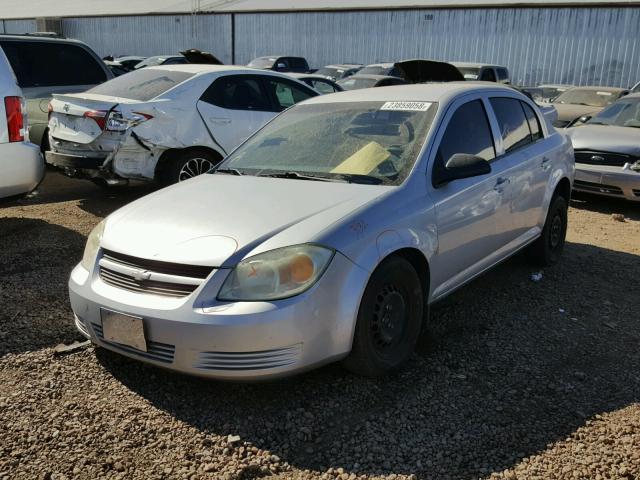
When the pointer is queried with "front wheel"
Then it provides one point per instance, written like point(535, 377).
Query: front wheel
point(546, 250)
point(389, 319)
point(188, 164)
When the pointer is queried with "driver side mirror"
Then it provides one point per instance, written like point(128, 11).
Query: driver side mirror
point(460, 165)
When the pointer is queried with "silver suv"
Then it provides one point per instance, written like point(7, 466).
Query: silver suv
point(44, 65)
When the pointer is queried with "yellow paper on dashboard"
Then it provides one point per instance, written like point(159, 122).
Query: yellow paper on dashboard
point(364, 161)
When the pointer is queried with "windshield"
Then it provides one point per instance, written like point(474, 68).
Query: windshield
point(470, 73)
point(591, 98)
point(624, 113)
point(372, 70)
point(356, 83)
point(142, 85)
point(330, 72)
point(262, 62)
point(359, 142)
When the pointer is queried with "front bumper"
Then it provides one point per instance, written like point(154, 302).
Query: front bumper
point(236, 341)
point(607, 180)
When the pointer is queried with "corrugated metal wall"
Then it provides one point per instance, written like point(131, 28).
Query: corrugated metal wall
point(584, 46)
point(18, 26)
point(565, 45)
point(153, 35)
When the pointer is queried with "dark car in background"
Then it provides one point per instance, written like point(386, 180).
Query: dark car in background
point(319, 83)
point(483, 72)
point(44, 65)
point(280, 64)
point(128, 62)
point(192, 55)
point(339, 71)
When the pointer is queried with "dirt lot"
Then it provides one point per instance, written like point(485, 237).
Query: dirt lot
point(515, 378)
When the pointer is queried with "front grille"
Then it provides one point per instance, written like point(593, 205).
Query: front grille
point(603, 158)
point(260, 360)
point(597, 187)
point(141, 275)
point(160, 352)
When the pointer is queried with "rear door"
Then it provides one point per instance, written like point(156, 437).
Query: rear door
point(234, 107)
point(46, 67)
point(524, 167)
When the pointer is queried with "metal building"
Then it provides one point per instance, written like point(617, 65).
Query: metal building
point(587, 42)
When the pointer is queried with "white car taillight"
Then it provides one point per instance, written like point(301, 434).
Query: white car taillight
point(117, 123)
point(15, 118)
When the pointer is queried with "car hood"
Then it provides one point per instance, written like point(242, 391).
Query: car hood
point(606, 138)
point(216, 220)
point(569, 111)
point(422, 71)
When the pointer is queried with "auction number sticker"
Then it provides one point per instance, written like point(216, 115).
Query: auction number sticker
point(407, 106)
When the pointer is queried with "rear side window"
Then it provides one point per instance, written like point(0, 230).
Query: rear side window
point(237, 92)
point(298, 64)
point(43, 64)
point(514, 127)
point(286, 94)
point(468, 131)
point(503, 74)
point(142, 85)
point(534, 123)
point(487, 75)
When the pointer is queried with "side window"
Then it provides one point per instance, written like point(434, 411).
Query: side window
point(469, 132)
point(502, 74)
point(323, 87)
point(48, 64)
point(282, 65)
point(534, 123)
point(488, 75)
point(285, 93)
point(237, 92)
point(513, 125)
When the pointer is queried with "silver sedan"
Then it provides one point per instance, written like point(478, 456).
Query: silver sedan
point(326, 235)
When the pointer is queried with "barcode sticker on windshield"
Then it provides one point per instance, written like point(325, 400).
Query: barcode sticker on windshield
point(407, 106)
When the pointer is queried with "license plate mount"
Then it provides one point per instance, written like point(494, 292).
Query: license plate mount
point(123, 329)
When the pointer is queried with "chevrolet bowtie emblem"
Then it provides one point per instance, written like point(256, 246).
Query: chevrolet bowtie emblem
point(142, 275)
point(66, 107)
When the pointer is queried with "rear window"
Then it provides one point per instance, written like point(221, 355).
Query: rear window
point(142, 85)
point(43, 64)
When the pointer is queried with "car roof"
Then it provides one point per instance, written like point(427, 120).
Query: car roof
point(308, 75)
point(422, 92)
point(383, 65)
point(201, 68)
point(369, 76)
point(601, 89)
point(343, 65)
point(555, 85)
point(38, 38)
point(476, 65)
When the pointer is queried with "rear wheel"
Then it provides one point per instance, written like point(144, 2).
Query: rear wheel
point(187, 164)
point(546, 250)
point(389, 319)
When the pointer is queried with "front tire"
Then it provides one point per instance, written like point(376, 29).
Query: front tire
point(547, 249)
point(187, 164)
point(389, 319)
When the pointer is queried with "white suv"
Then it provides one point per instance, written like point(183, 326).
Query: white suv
point(21, 164)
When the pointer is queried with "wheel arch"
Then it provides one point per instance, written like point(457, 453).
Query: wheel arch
point(170, 153)
point(563, 188)
point(418, 261)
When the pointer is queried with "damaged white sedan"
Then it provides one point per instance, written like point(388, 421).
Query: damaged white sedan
point(167, 123)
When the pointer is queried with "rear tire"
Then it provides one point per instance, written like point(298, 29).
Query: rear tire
point(546, 250)
point(389, 319)
point(187, 164)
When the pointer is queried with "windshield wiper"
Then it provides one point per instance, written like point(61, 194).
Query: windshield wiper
point(228, 171)
point(296, 176)
point(358, 178)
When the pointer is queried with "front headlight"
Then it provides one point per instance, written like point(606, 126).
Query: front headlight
point(91, 248)
point(277, 274)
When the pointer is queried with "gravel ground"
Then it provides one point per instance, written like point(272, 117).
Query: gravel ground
point(514, 379)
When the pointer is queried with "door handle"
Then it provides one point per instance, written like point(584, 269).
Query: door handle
point(220, 121)
point(545, 164)
point(500, 184)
